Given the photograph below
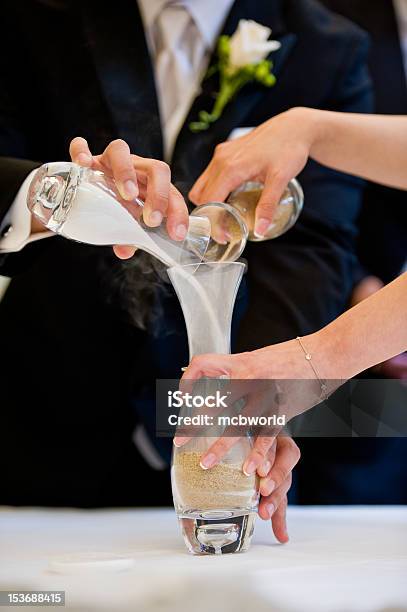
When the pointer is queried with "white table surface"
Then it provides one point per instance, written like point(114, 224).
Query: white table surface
point(338, 559)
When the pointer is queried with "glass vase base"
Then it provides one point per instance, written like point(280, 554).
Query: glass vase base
point(217, 532)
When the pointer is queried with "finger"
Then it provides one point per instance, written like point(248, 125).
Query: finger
point(223, 152)
point(274, 506)
point(118, 157)
point(269, 503)
point(177, 222)
point(279, 522)
point(195, 193)
point(158, 189)
point(217, 451)
point(265, 468)
point(79, 152)
point(274, 186)
point(257, 456)
point(223, 177)
point(124, 252)
point(179, 441)
point(287, 457)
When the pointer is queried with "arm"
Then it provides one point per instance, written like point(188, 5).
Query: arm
point(371, 146)
point(371, 332)
point(365, 335)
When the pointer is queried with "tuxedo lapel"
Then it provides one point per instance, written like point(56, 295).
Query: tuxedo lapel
point(116, 40)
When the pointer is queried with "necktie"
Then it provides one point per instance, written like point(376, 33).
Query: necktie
point(179, 51)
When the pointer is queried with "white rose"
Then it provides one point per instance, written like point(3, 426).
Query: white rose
point(249, 44)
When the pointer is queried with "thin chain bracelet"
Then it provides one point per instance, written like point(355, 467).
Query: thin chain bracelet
point(322, 382)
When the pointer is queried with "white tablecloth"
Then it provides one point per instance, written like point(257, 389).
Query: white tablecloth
point(338, 559)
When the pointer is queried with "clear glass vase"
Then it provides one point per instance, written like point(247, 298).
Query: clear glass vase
point(216, 508)
point(233, 222)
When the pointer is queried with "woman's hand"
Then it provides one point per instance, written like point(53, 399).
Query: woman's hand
point(257, 373)
point(273, 153)
point(135, 176)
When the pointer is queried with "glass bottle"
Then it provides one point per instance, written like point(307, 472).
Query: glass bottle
point(82, 204)
point(216, 508)
point(233, 222)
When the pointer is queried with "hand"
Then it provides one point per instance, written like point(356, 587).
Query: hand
point(277, 361)
point(135, 176)
point(257, 373)
point(275, 483)
point(273, 153)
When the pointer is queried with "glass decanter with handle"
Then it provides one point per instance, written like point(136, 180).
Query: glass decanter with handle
point(84, 205)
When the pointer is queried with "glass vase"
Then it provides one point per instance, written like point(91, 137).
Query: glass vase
point(233, 222)
point(216, 507)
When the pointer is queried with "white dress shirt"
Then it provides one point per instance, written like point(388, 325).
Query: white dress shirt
point(203, 21)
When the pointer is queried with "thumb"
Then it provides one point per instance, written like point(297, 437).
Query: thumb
point(273, 190)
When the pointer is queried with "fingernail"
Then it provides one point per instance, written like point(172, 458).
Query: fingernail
point(267, 487)
point(181, 231)
point(270, 510)
point(208, 461)
point(83, 158)
point(249, 468)
point(261, 228)
point(180, 441)
point(155, 218)
point(130, 190)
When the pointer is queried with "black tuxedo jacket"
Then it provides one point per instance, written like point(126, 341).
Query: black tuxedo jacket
point(71, 361)
point(382, 246)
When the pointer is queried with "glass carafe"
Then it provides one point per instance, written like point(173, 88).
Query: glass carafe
point(84, 205)
point(233, 222)
point(216, 508)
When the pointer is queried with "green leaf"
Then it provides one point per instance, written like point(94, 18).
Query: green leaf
point(198, 126)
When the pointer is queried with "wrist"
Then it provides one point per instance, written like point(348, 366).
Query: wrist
point(329, 352)
point(309, 121)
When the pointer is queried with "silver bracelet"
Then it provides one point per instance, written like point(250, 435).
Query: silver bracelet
point(322, 382)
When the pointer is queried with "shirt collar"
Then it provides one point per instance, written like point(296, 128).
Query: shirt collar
point(209, 15)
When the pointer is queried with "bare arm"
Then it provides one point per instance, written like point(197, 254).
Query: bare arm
point(371, 146)
point(367, 334)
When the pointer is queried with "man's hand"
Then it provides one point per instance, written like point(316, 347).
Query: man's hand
point(135, 176)
point(276, 478)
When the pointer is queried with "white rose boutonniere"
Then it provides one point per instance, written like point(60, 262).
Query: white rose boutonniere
point(241, 61)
